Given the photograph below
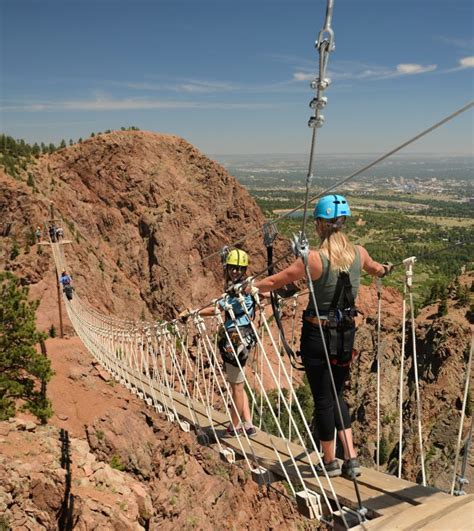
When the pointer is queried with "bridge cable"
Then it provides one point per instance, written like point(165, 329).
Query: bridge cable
point(461, 479)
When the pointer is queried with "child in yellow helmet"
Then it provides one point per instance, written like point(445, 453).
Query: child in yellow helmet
point(231, 344)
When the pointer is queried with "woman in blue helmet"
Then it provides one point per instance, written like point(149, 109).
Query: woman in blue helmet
point(335, 270)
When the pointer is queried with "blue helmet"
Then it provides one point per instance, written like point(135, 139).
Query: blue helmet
point(332, 206)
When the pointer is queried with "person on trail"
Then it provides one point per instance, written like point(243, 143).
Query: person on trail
point(52, 233)
point(65, 281)
point(335, 270)
point(233, 342)
point(38, 234)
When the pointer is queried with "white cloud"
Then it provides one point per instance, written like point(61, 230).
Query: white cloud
point(411, 68)
point(359, 71)
point(108, 104)
point(467, 62)
point(466, 44)
point(187, 86)
point(303, 76)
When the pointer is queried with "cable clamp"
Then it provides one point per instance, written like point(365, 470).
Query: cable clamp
point(300, 246)
point(320, 83)
point(319, 102)
point(316, 121)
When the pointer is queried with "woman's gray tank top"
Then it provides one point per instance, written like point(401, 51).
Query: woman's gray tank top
point(325, 285)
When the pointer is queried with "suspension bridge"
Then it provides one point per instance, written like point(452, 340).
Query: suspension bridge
point(175, 368)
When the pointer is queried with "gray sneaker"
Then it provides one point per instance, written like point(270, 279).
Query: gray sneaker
point(333, 469)
point(351, 468)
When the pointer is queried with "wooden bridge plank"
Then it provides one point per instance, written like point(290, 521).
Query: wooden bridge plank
point(452, 513)
point(381, 494)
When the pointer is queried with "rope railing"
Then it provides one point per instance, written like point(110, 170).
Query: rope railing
point(176, 368)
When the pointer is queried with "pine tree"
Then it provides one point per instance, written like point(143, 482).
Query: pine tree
point(22, 367)
point(62, 144)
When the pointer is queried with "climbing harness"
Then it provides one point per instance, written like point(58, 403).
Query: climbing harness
point(340, 329)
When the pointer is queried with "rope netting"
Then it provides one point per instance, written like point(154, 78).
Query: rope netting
point(176, 367)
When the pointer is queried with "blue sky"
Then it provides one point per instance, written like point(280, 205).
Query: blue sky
point(232, 76)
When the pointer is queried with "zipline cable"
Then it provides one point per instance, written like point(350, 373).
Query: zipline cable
point(349, 177)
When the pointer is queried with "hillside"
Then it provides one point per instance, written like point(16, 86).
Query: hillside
point(142, 210)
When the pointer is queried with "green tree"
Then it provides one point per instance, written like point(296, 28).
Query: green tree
point(22, 367)
point(443, 306)
point(62, 144)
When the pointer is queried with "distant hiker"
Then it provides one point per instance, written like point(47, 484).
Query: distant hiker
point(335, 273)
point(231, 344)
point(38, 234)
point(68, 292)
point(52, 233)
point(59, 233)
point(65, 281)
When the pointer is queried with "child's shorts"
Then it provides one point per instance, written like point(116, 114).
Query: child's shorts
point(235, 375)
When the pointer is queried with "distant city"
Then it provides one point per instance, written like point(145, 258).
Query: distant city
point(410, 174)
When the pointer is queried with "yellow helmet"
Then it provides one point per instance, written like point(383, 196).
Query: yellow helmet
point(237, 257)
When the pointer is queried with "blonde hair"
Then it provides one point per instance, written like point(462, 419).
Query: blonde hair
point(335, 245)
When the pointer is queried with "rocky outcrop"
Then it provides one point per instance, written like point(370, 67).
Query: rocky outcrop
point(442, 346)
point(177, 485)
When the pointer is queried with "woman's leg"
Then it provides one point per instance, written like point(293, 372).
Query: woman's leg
point(320, 383)
point(341, 374)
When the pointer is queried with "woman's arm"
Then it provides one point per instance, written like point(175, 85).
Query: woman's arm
point(369, 265)
point(292, 273)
